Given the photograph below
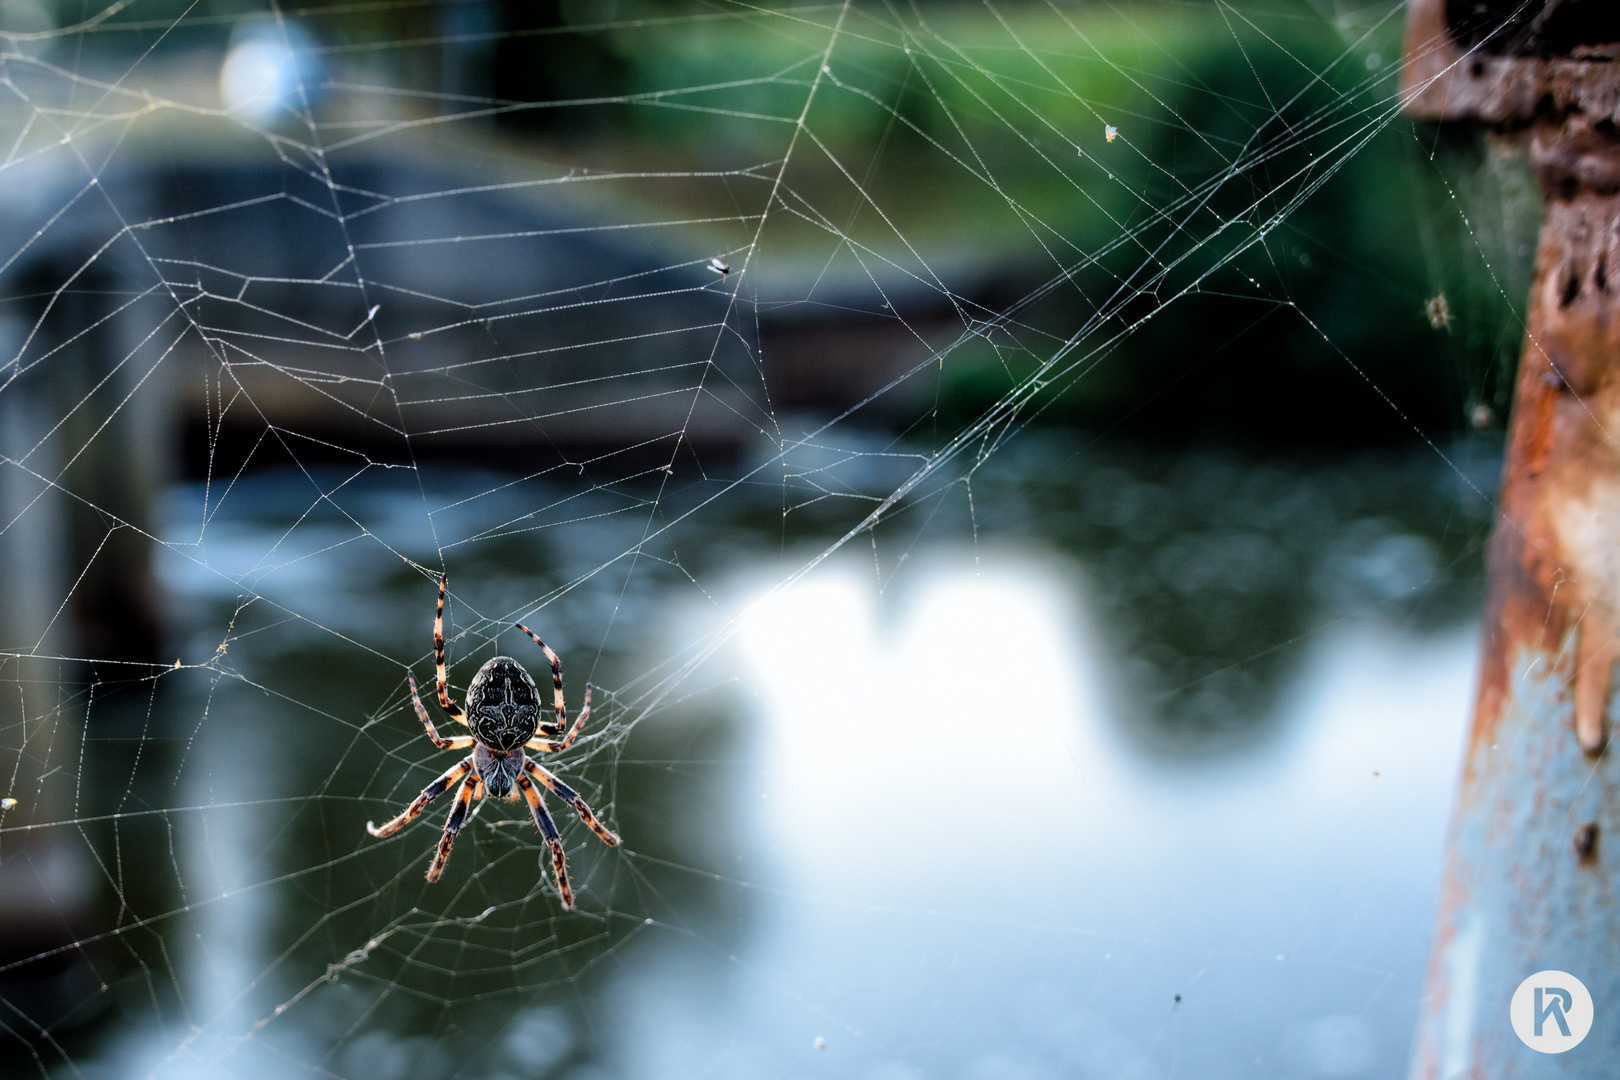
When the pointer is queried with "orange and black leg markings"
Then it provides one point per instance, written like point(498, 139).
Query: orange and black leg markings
point(460, 742)
point(450, 708)
point(548, 829)
point(558, 705)
point(567, 795)
point(429, 793)
point(544, 746)
point(458, 816)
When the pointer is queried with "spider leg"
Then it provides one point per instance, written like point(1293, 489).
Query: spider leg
point(429, 793)
point(460, 742)
point(548, 829)
point(567, 795)
point(546, 746)
point(458, 817)
point(450, 708)
point(558, 706)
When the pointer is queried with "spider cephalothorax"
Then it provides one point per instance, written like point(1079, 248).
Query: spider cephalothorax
point(504, 714)
point(498, 771)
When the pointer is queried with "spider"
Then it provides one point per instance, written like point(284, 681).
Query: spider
point(503, 711)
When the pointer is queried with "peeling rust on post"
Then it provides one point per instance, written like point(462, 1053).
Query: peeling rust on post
point(1561, 483)
point(1586, 842)
point(1442, 79)
point(1524, 888)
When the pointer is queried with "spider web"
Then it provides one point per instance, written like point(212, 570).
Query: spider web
point(846, 392)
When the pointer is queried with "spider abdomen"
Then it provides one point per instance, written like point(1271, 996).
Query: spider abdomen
point(498, 771)
point(503, 705)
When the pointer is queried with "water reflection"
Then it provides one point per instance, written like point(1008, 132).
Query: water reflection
point(980, 795)
point(1209, 568)
point(960, 868)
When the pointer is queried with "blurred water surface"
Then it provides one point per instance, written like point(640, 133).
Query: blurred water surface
point(1100, 760)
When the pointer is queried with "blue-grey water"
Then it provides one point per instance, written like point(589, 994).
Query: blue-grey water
point(1104, 762)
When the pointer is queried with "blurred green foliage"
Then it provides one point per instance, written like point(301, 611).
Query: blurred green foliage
point(1253, 255)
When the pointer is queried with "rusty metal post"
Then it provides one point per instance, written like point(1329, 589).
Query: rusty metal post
point(1533, 863)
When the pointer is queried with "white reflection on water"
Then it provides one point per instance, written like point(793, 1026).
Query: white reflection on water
point(965, 871)
point(222, 954)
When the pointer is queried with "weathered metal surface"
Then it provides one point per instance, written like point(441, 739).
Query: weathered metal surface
point(1443, 79)
point(1518, 895)
point(1528, 885)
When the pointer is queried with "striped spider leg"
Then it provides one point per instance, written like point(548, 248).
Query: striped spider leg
point(559, 707)
point(458, 742)
point(449, 707)
point(456, 773)
point(548, 828)
point(471, 786)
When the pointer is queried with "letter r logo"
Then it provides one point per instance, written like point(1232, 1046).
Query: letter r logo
point(1561, 1001)
point(1551, 1011)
